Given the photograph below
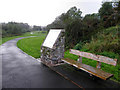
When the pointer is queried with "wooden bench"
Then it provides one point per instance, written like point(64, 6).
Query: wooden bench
point(94, 71)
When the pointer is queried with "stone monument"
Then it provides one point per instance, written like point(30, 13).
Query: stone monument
point(52, 49)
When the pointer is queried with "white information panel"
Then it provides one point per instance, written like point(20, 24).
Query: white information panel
point(51, 38)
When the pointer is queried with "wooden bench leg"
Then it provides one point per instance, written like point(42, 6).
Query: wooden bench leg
point(98, 65)
point(79, 60)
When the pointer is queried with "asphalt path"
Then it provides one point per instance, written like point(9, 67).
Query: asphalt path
point(20, 70)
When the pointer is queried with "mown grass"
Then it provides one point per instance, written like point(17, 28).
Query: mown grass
point(5, 39)
point(32, 45)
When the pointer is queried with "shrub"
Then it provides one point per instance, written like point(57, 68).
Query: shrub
point(79, 45)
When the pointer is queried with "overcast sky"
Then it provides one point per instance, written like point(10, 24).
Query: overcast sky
point(43, 12)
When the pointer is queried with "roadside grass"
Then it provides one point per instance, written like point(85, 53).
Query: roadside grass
point(35, 33)
point(31, 45)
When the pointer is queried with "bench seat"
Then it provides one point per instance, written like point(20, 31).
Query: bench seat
point(94, 71)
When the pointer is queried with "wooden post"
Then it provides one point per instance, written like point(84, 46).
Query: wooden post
point(98, 65)
point(79, 59)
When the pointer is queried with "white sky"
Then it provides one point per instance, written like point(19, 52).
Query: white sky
point(42, 12)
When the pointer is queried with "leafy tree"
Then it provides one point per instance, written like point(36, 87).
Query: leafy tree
point(74, 33)
point(110, 13)
point(92, 21)
point(117, 12)
point(105, 12)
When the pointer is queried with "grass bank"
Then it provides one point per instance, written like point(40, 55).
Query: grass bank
point(32, 45)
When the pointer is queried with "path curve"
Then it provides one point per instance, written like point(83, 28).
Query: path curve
point(20, 70)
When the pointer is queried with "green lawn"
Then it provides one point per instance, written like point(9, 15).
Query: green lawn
point(32, 47)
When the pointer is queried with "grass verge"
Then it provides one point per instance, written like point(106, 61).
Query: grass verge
point(31, 45)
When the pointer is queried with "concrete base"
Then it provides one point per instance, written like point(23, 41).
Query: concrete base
point(52, 63)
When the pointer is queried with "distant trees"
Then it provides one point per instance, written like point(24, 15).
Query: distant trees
point(13, 28)
point(37, 28)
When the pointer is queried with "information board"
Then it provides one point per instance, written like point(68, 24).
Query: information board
point(51, 38)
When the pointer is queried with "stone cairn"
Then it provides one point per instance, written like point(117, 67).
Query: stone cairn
point(52, 56)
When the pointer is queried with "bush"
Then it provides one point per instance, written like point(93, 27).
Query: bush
point(79, 45)
point(108, 41)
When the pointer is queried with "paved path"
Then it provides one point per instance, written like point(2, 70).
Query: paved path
point(22, 71)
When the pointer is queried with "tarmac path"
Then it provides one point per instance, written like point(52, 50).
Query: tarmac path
point(20, 70)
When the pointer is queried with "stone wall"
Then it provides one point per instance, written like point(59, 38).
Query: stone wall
point(54, 55)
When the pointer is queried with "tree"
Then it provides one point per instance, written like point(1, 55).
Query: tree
point(74, 33)
point(117, 11)
point(37, 28)
point(105, 11)
point(110, 13)
point(14, 28)
point(92, 21)
point(71, 15)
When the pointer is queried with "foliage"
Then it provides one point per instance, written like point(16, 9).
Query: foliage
point(73, 31)
point(106, 10)
point(77, 28)
point(107, 40)
point(14, 29)
point(36, 28)
point(110, 14)
point(79, 45)
point(80, 28)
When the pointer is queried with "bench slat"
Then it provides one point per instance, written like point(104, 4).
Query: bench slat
point(94, 57)
point(95, 71)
